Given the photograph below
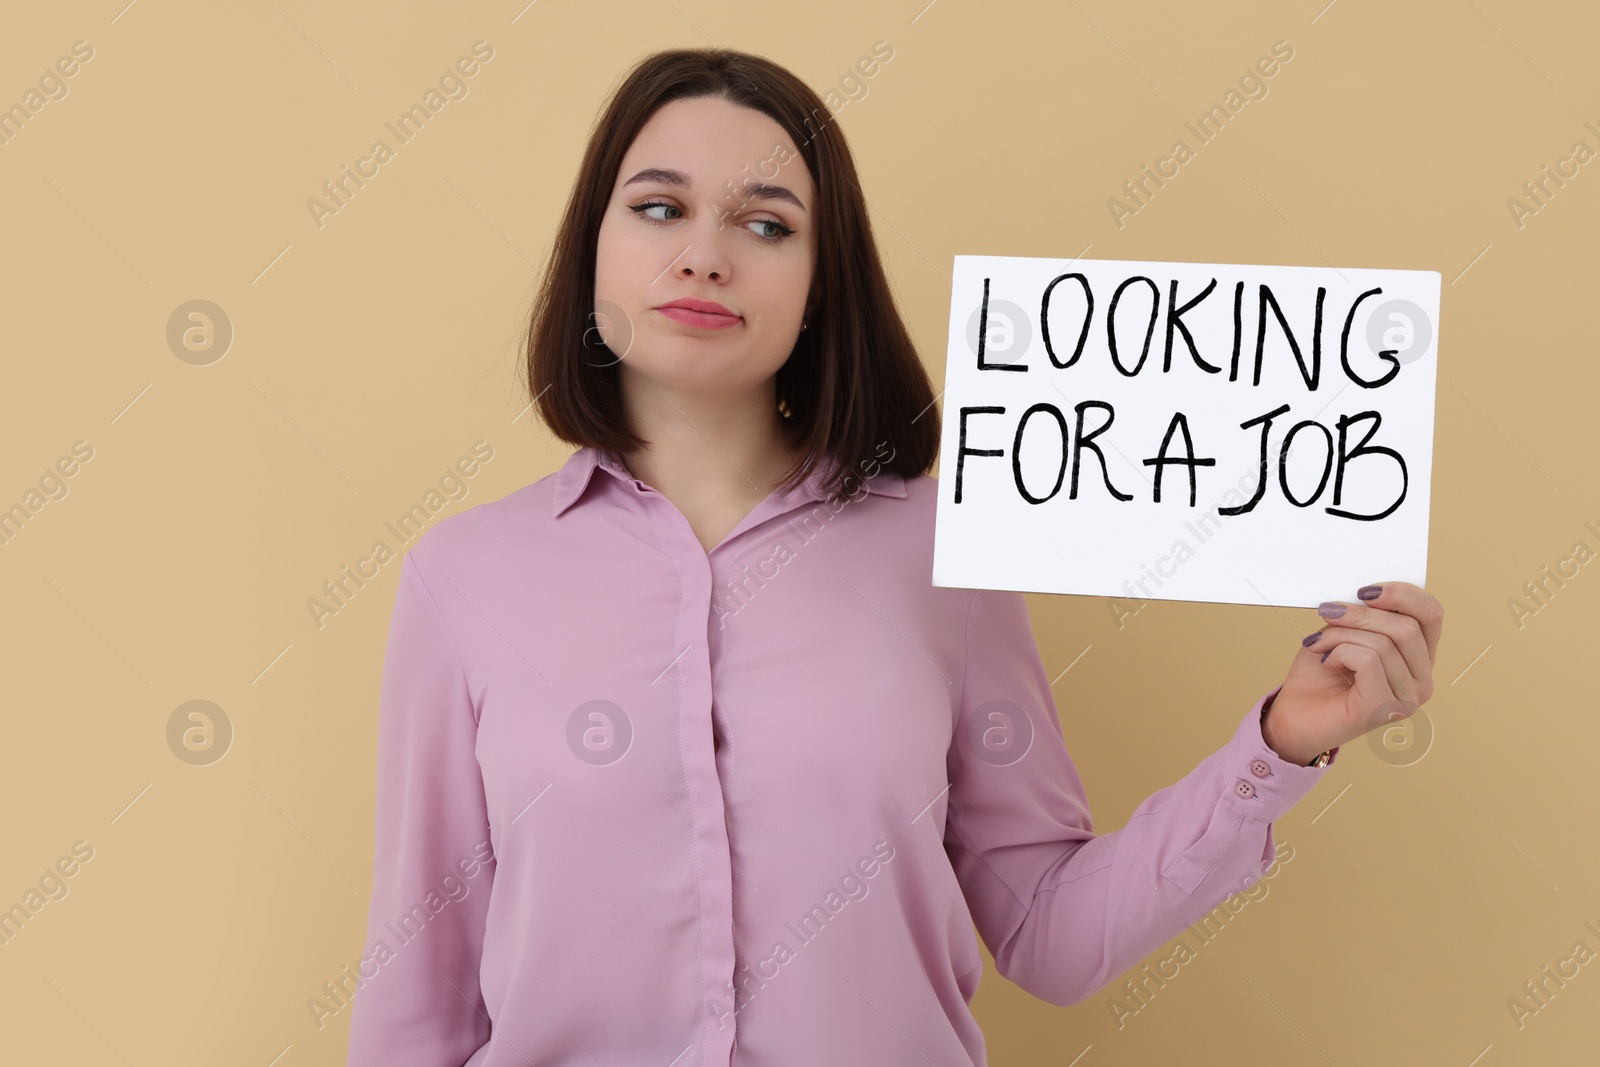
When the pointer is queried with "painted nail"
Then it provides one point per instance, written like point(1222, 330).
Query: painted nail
point(1310, 639)
point(1325, 655)
point(1369, 592)
point(1330, 610)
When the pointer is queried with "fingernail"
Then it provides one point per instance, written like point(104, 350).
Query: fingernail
point(1310, 639)
point(1369, 592)
point(1330, 610)
point(1326, 654)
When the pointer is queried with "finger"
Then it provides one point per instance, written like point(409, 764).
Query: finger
point(1371, 682)
point(1404, 630)
point(1396, 673)
point(1414, 601)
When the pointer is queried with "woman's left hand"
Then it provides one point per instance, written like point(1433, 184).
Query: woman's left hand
point(1371, 665)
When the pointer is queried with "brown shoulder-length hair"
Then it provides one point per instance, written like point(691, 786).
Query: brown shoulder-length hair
point(852, 392)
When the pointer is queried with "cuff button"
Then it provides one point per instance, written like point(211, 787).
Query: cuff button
point(1244, 788)
point(1260, 769)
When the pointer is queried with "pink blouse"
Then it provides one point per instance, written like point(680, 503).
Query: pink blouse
point(643, 804)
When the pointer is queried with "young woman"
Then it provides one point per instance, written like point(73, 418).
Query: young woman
point(683, 760)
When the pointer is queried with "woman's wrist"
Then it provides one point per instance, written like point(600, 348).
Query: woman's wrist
point(1286, 751)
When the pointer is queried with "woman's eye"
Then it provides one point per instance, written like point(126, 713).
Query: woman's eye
point(644, 209)
point(779, 230)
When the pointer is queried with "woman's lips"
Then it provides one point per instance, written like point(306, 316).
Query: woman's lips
point(701, 319)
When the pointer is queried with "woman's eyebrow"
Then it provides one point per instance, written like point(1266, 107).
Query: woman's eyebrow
point(753, 190)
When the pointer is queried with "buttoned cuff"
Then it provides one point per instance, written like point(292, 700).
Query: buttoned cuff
point(1259, 783)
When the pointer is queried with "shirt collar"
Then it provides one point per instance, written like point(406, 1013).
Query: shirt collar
point(575, 475)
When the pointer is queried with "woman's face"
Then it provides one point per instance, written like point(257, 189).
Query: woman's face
point(712, 203)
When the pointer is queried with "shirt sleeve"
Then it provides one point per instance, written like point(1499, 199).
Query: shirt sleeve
point(419, 1001)
point(1064, 906)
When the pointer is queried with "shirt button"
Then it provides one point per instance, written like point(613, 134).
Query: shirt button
point(1244, 788)
point(1260, 769)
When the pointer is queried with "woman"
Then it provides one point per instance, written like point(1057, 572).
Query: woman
point(682, 758)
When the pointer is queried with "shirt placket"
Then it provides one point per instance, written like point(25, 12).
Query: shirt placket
point(706, 812)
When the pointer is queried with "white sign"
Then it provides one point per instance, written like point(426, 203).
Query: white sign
point(1186, 431)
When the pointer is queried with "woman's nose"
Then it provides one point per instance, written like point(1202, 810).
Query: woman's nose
point(706, 256)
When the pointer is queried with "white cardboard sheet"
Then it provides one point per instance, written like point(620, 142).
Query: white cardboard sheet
point(1046, 476)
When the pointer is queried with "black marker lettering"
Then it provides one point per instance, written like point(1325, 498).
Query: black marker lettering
point(962, 452)
point(1044, 319)
point(1345, 421)
point(1179, 422)
point(1283, 463)
point(1261, 486)
point(983, 337)
point(1016, 453)
point(1238, 330)
point(1316, 336)
point(1175, 322)
point(1081, 441)
point(1111, 324)
point(1344, 349)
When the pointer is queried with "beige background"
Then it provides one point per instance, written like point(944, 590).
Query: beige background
point(370, 353)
